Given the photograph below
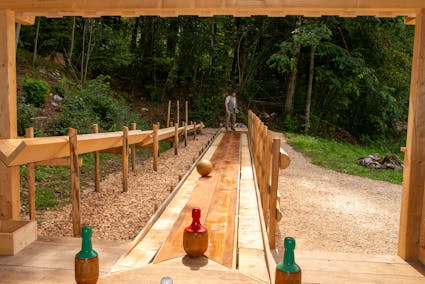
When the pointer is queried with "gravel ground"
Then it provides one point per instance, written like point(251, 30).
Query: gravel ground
point(329, 211)
point(115, 215)
point(324, 210)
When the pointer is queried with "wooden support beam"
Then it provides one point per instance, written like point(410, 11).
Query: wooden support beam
point(75, 182)
point(411, 21)
point(412, 221)
point(95, 129)
point(125, 159)
point(29, 133)
point(176, 139)
point(10, 204)
point(25, 20)
point(59, 162)
point(133, 150)
point(155, 147)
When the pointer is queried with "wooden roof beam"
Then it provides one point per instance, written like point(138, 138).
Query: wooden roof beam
point(25, 20)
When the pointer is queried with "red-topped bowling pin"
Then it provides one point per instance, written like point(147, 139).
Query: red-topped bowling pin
point(195, 236)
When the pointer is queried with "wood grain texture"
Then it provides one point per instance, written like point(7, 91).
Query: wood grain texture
point(29, 133)
point(75, 182)
point(95, 129)
point(413, 210)
point(215, 195)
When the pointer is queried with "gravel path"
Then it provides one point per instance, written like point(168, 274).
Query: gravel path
point(329, 211)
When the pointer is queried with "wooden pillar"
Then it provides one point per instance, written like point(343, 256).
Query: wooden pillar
point(10, 203)
point(412, 217)
point(75, 182)
point(194, 130)
point(133, 150)
point(169, 113)
point(155, 142)
point(29, 133)
point(176, 139)
point(124, 159)
point(95, 129)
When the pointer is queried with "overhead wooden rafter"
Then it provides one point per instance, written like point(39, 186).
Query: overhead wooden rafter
point(170, 8)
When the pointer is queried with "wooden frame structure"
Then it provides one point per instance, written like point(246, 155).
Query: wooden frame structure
point(412, 223)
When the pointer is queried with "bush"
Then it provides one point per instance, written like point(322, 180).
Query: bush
point(35, 91)
point(94, 103)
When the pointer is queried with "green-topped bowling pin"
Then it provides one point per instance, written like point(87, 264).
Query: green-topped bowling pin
point(287, 271)
point(87, 260)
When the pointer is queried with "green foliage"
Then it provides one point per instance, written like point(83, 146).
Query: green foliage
point(341, 157)
point(94, 103)
point(25, 113)
point(209, 110)
point(35, 91)
point(45, 198)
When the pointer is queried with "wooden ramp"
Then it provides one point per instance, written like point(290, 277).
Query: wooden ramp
point(236, 239)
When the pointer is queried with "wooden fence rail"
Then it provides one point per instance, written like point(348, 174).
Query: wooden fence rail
point(50, 151)
point(268, 159)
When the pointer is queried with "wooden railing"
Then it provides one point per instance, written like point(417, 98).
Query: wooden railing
point(64, 151)
point(268, 158)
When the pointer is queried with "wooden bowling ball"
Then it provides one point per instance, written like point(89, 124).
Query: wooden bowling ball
point(204, 167)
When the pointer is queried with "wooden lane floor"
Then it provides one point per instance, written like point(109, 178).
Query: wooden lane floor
point(215, 195)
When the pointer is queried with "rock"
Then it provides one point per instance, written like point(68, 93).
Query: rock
point(57, 98)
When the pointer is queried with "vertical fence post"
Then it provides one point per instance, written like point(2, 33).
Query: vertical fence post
point(124, 159)
point(133, 150)
point(185, 134)
point(178, 113)
point(75, 182)
point(186, 107)
point(176, 138)
point(267, 160)
point(29, 133)
point(169, 113)
point(155, 141)
point(95, 129)
point(194, 130)
point(273, 192)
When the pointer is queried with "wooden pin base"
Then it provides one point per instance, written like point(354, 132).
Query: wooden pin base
point(287, 277)
point(195, 243)
point(87, 270)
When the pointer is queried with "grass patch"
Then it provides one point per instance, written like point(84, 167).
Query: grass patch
point(341, 157)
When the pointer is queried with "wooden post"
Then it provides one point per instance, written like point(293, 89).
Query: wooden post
point(186, 107)
point(124, 159)
point(176, 138)
point(10, 203)
point(267, 159)
point(75, 182)
point(178, 113)
point(412, 222)
point(273, 192)
point(155, 146)
point(169, 113)
point(29, 133)
point(133, 150)
point(185, 134)
point(194, 130)
point(95, 129)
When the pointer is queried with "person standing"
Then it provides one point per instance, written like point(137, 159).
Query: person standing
point(231, 110)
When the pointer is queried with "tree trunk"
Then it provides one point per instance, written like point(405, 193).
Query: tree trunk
point(289, 103)
point(90, 47)
point(83, 52)
point(17, 32)
point(309, 90)
point(34, 56)
point(212, 47)
point(71, 47)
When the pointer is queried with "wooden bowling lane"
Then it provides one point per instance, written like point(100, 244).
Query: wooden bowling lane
point(216, 196)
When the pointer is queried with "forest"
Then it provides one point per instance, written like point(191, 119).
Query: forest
point(346, 79)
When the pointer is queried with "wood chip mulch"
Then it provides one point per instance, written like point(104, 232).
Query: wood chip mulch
point(117, 215)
